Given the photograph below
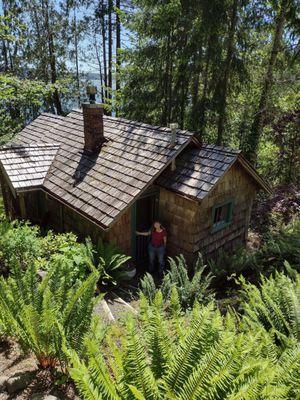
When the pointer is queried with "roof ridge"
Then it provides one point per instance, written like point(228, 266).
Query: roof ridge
point(30, 145)
point(223, 149)
point(140, 124)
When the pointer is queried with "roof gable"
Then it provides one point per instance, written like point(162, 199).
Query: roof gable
point(198, 171)
point(27, 166)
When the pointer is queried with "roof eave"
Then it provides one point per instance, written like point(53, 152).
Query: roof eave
point(7, 179)
point(83, 214)
point(255, 175)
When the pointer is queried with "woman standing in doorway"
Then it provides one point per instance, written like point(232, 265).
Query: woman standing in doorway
point(157, 246)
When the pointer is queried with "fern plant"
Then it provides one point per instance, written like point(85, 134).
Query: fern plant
point(41, 315)
point(108, 260)
point(200, 356)
point(275, 305)
point(189, 290)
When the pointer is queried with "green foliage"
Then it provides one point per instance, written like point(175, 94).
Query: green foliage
point(211, 360)
point(65, 249)
point(43, 315)
point(108, 260)
point(279, 245)
point(18, 241)
point(20, 102)
point(189, 290)
point(275, 305)
point(227, 264)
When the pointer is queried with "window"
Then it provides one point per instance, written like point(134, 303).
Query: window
point(222, 215)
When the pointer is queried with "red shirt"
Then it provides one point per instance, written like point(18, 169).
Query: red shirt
point(157, 238)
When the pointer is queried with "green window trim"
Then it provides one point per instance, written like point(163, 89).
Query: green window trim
point(222, 224)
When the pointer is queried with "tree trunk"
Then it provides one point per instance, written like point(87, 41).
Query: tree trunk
point(258, 121)
point(225, 80)
point(166, 87)
point(118, 45)
point(110, 48)
point(103, 32)
point(202, 104)
point(52, 60)
point(76, 57)
point(98, 55)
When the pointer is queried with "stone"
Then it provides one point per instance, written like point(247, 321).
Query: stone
point(19, 381)
point(43, 396)
point(3, 380)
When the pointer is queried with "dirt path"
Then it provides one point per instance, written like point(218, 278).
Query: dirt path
point(14, 364)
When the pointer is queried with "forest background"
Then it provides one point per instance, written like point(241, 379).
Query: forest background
point(228, 69)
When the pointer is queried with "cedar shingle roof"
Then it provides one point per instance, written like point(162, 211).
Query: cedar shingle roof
point(198, 170)
point(27, 166)
point(103, 186)
point(49, 153)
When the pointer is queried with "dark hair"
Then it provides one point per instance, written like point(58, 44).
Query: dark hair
point(161, 226)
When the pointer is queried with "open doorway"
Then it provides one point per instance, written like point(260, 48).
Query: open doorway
point(145, 211)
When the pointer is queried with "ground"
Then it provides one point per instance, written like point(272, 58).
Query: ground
point(14, 363)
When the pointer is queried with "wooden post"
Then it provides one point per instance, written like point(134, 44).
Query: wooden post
point(22, 206)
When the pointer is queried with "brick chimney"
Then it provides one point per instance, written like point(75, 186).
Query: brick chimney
point(93, 123)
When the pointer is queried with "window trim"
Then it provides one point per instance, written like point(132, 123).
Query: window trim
point(228, 221)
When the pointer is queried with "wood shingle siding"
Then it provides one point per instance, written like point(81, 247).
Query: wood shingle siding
point(190, 222)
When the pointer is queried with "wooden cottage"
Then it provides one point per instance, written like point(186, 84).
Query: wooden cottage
point(102, 176)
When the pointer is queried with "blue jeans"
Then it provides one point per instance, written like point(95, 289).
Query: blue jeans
point(158, 252)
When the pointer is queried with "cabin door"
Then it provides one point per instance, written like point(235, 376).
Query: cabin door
point(145, 211)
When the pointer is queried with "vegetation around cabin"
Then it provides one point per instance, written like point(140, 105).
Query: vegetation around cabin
point(225, 329)
point(188, 337)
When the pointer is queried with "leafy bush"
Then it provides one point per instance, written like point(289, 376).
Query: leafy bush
point(108, 260)
point(65, 249)
point(189, 290)
point(276, 247)
point(280, 246)
point(202, 357)
point(42, 315)
point(275, 306)
point(226, 264)
point(18, 240)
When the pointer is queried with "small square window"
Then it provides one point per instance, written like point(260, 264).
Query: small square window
point(222, 215)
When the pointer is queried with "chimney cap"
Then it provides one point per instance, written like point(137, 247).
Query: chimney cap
point(173, 125)
point(90, 89)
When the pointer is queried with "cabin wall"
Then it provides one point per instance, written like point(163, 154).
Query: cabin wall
point(235, 185)
point(179, 214)
point(120, 233)
point(190, 223)
point(43, 209)
point(11, 203)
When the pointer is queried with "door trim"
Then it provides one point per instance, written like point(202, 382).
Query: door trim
point(152, 192)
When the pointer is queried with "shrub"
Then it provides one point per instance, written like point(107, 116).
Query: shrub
point(42, 315)
point(18, 240)
point(277, 247)
point(65, 249)
point(282, 245)
point(108, 260)
point(226, 264)
point(275, 306)
point(207, 358)
point(189, 290)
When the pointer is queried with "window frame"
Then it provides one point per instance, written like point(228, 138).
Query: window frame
point(224, 224)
